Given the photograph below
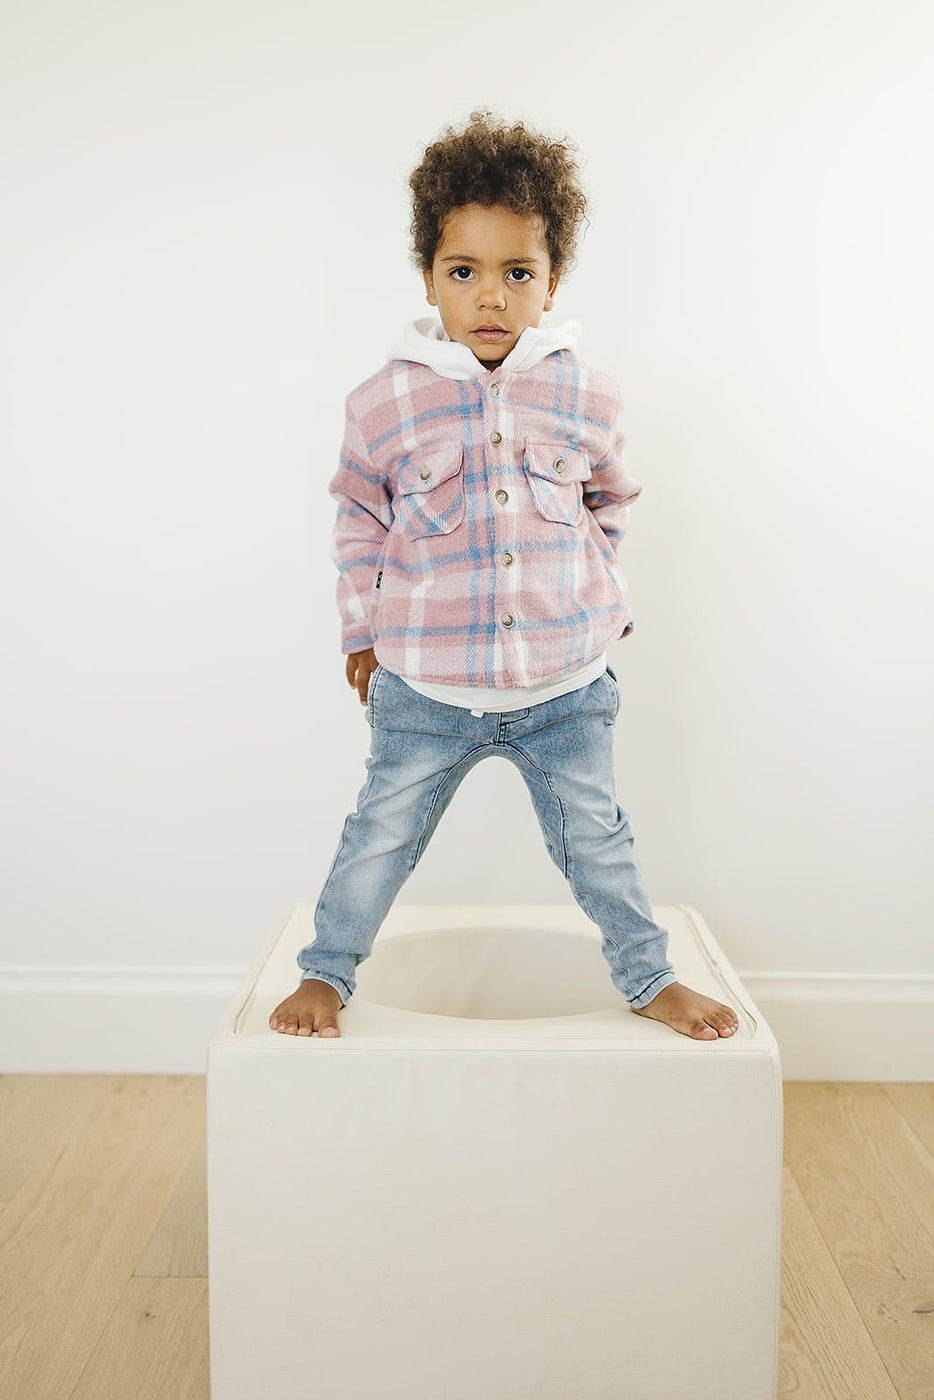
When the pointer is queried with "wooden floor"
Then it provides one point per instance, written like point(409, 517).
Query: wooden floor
point(103, 1241)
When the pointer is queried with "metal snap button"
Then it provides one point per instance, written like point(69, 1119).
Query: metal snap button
point(508, 619)
point(502, 496)
point(496, 438)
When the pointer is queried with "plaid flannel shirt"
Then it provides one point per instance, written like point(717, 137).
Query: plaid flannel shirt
point(478, 521)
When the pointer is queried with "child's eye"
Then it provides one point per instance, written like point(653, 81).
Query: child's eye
point(524, 273)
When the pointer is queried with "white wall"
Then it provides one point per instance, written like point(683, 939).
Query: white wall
point(204, 223)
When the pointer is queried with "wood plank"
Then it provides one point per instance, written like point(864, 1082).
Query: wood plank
point(154, 1346)
point(179, 1245)
point(869, 1185)
point(826, 1352)
point(39, 1114)
point(915, 1102)
point(71, 1235)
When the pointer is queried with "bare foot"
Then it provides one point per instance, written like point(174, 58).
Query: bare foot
point(690, 1012)
point(313, 1007)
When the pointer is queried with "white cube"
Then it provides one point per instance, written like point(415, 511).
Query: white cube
point(498, 1183)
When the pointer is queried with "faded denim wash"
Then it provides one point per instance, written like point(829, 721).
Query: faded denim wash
point(420, 750)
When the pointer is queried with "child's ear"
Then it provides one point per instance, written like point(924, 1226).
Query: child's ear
point(552, 288)
point(429, 287)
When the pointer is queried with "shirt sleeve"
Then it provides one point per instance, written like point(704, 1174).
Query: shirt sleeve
point(364, 515)
point(609, 492)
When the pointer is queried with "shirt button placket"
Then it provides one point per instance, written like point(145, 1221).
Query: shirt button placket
point(496, 437)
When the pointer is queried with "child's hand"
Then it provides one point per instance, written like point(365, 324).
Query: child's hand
point(360, 667)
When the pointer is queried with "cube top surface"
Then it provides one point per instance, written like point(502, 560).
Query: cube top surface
point(489, 976)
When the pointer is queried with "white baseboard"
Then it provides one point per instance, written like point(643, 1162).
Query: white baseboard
point(111, 1020)
point(118, 1020)
point(870, 1026)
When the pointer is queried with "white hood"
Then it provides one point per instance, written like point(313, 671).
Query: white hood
point(427, 342)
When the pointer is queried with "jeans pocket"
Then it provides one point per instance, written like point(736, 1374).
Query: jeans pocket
point(611, 677)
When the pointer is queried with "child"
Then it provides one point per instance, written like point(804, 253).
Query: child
point(481, 500)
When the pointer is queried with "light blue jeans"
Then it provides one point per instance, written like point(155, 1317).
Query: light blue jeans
point(420, 750)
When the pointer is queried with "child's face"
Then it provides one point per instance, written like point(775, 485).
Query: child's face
point(490, 268)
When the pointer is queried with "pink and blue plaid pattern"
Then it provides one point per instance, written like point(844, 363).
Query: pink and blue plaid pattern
point(478, 521)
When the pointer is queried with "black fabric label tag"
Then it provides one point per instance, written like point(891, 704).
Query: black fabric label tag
point(378, 577)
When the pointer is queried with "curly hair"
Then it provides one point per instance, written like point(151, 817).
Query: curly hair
point(490, 163)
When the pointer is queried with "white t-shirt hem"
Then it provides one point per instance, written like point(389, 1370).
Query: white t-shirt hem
point(481, 700)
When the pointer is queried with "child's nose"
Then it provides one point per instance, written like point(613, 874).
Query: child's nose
point(490, 295)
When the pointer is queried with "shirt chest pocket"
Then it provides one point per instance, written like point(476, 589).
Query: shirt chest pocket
point(430, 497)
point(555, 473)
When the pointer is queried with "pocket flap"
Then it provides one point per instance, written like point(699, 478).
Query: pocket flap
point(556, 461)
point(429, 467)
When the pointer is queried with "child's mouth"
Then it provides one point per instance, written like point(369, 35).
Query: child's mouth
point(489, 336)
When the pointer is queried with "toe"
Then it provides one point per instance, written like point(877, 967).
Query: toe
point(304, 1024)
point(702, 1031)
